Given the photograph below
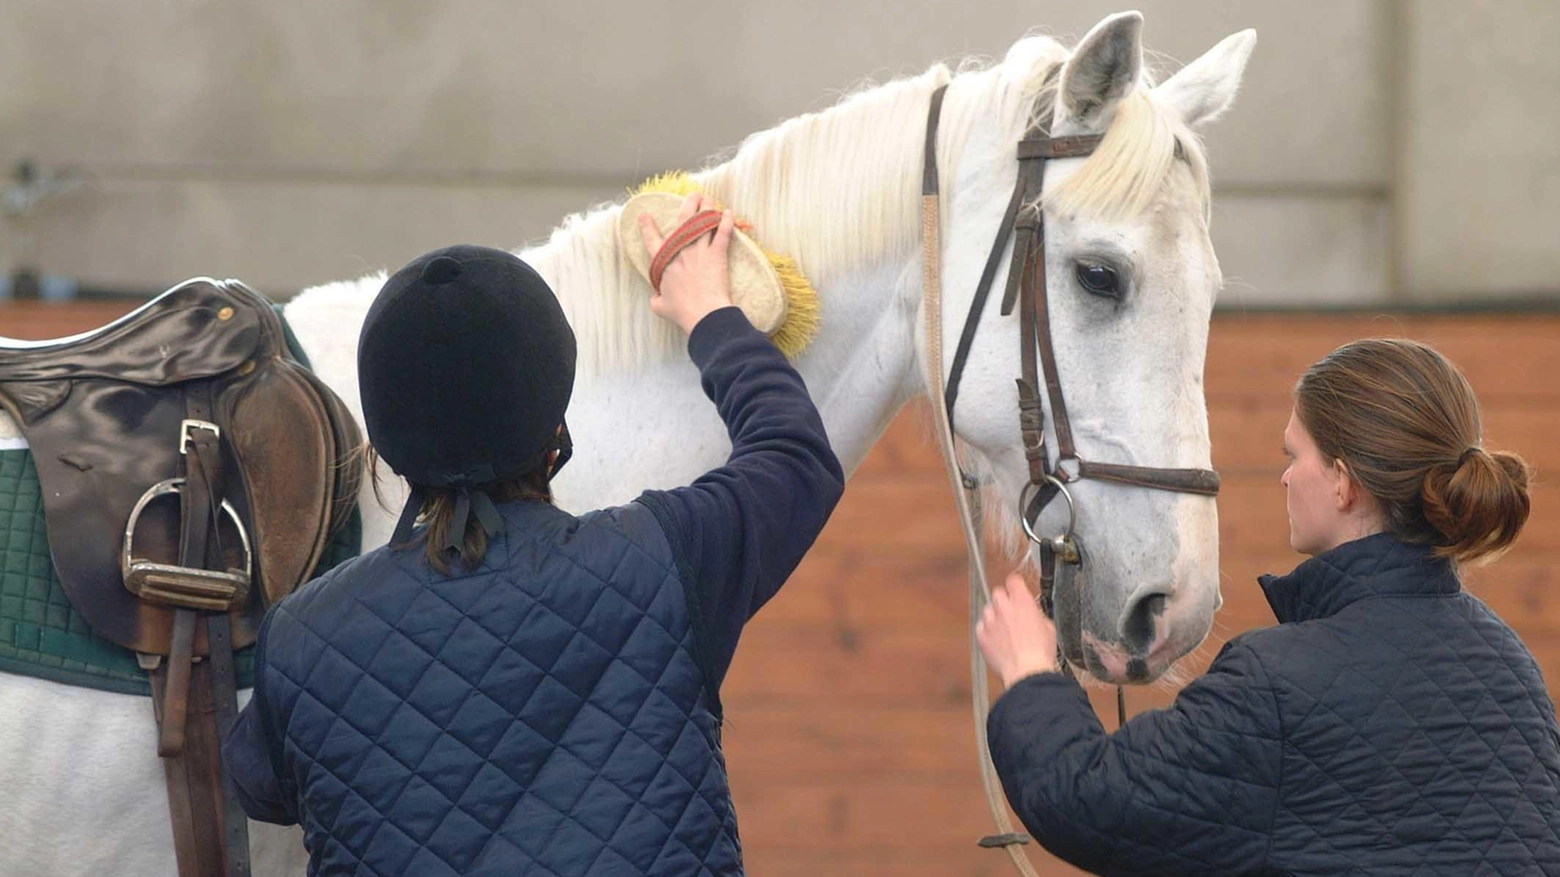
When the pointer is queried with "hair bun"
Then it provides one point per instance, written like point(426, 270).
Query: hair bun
point(1477, 504)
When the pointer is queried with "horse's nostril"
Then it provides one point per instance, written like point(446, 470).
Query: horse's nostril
point(1137, 631)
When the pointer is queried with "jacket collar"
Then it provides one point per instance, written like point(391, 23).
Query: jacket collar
point(1375, 566)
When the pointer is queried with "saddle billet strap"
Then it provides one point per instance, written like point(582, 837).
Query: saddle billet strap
point(224, 693)
point(205, 484)
point(193, 778)
point(227, 827)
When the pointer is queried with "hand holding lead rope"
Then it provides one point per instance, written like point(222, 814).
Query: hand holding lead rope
point(1017, 639)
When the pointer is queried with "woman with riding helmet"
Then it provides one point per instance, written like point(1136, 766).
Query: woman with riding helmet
point(508, 688)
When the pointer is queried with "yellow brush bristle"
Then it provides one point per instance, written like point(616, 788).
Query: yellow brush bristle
point(801, 300)
point(801, 307)
point(670, 183)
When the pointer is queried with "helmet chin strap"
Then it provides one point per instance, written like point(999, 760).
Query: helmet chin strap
point(565, 449)
point(408, 519)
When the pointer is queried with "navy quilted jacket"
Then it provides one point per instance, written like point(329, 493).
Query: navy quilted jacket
point(1390, 724)
point(556, 710)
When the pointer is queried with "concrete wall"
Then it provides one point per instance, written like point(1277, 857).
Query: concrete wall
point(1478, 176)
point(1380, 151)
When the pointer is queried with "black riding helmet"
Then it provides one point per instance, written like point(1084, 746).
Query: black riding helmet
point(465, 365)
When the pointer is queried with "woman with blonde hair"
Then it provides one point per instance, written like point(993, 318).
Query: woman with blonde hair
point(1391, 723)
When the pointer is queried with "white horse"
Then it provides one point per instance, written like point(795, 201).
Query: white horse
point(83, 792)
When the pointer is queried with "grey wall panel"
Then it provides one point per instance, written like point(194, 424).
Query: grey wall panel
point(1284, 251)
point(1480, 169)
point(1426, 130)
point(280, 237)
point(591, 88)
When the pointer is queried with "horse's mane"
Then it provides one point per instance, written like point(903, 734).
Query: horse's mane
point(839, 189)
point(834, 190)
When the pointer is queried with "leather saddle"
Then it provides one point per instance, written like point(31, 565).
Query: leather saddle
point(105, 416)
point(193, 473)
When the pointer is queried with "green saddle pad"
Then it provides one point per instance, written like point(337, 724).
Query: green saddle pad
point(40, 633)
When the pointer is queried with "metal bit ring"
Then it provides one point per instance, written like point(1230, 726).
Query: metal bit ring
point(1065, 546)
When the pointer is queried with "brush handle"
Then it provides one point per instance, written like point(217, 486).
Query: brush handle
point(697, 226)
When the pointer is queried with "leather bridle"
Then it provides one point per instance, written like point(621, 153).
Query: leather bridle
point(1024, 221)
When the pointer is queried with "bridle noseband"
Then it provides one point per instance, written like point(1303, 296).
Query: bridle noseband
point(1024, 220)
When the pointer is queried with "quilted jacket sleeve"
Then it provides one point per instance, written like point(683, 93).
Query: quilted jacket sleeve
point(739, 530)
point(249, 756)
point(1191, 789)
point(247, 761)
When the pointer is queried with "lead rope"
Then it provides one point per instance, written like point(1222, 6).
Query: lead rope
point(968, 500)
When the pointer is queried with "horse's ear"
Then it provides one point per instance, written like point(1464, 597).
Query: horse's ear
point(1104, 68)
point(1202, 90)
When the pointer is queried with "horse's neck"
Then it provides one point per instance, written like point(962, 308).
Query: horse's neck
point(859, 369)
point(863, 368)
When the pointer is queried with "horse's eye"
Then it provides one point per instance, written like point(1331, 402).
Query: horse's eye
point(1098, 280)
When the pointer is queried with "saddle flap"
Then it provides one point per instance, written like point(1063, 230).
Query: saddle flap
point(349, 471)
point(96, 457)
point(287, 455)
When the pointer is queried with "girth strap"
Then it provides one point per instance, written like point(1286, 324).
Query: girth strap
point(224, 693)
point(194, 789)
point(196, 702)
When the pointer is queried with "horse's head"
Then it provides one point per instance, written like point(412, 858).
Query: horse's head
point(1131, 277)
